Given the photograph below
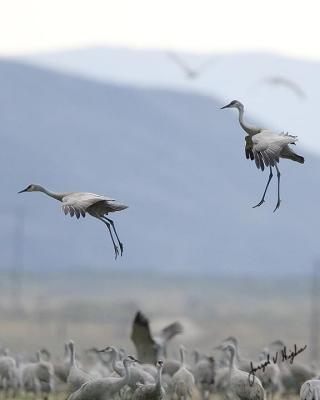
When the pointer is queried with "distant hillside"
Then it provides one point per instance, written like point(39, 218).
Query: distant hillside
point(175, 158)
point(227, 76)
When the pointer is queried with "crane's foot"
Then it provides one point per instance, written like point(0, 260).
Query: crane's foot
point(277, 206)
point(259, 204)
point(121, 248)
point(116, 251)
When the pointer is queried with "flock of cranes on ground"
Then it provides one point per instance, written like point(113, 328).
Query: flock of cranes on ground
point(111, 373)
point(261, 145)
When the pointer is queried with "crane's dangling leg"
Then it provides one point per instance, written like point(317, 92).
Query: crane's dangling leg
point(265, 190)
point(116, 249)
point(114, 229)
point(279, 201)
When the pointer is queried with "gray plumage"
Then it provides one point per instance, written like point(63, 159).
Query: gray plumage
point(103, 388)
point(310, 390)
point(80, 203)
point(183, 381)
point(150, 348)
point(77, 377)
point(151, 391)
point(266, 148)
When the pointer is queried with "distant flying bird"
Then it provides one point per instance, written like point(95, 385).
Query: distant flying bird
point(291, 85)
point(266, 148)
point(78, 204)
point(149, 348)
point(190, 72)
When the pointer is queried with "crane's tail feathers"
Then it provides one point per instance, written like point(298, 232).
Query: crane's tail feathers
point(116, 206)
point(299, 159)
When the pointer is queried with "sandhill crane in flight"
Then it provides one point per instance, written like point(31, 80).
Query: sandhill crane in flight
point(289, 84)
point(190, 72)
point(266, 148)
point(150, 348)
point(80, 203)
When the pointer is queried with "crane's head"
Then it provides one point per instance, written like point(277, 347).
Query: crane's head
point(159, 364)
point(234, 104)
point(32, 188)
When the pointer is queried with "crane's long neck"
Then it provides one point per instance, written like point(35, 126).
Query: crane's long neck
point(57, 196)
point(181, 356)
point(232, 365)
point(115, 367)
point(250, 129)
point(159, 379)
point(72, 355)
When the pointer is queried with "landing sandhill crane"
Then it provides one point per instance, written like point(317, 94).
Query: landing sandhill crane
point(150, 348)
point(190, 72)
point(287, 83)
point(103, 388)
point(238, 381)
point(80, 203)
point(152, 391)
point(183, 381)
point(77, 377)
point(266, 148)
point(310, 390)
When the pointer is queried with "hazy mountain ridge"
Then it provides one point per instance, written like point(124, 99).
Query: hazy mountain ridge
point(175, 158)
point(227, 76)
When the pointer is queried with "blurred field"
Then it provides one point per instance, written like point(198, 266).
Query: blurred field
point(97, 307)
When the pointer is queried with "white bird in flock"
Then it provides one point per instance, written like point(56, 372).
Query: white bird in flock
point(238, 381)
point(310, 390)
point(183, 381)
point(77, 377)
point(266, 148)
point(103, 388)
point(80, 203)
point(151, 391)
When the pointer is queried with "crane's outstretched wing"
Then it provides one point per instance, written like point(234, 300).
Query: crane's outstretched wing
point(170, 331)
point(178, 60)
point(141, 336)
point(291, 85)
point(267, 147)
point(78, 203)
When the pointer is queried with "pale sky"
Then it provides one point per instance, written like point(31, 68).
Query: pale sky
point(288, 27)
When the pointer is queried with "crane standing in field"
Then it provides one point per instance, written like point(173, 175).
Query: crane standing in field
point(80, 203)
point(266, 148)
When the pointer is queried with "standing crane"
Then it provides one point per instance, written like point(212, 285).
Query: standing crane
point(80, 203)
point(266, 148)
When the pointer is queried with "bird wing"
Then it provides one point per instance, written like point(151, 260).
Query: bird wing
point(170, 331)
point(77, 203)
point(178, 60)
point(267, 147)
point(248, 147)
point(141, 336)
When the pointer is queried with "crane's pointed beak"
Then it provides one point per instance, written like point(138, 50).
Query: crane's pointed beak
point(24, 190)
point(228, 105)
